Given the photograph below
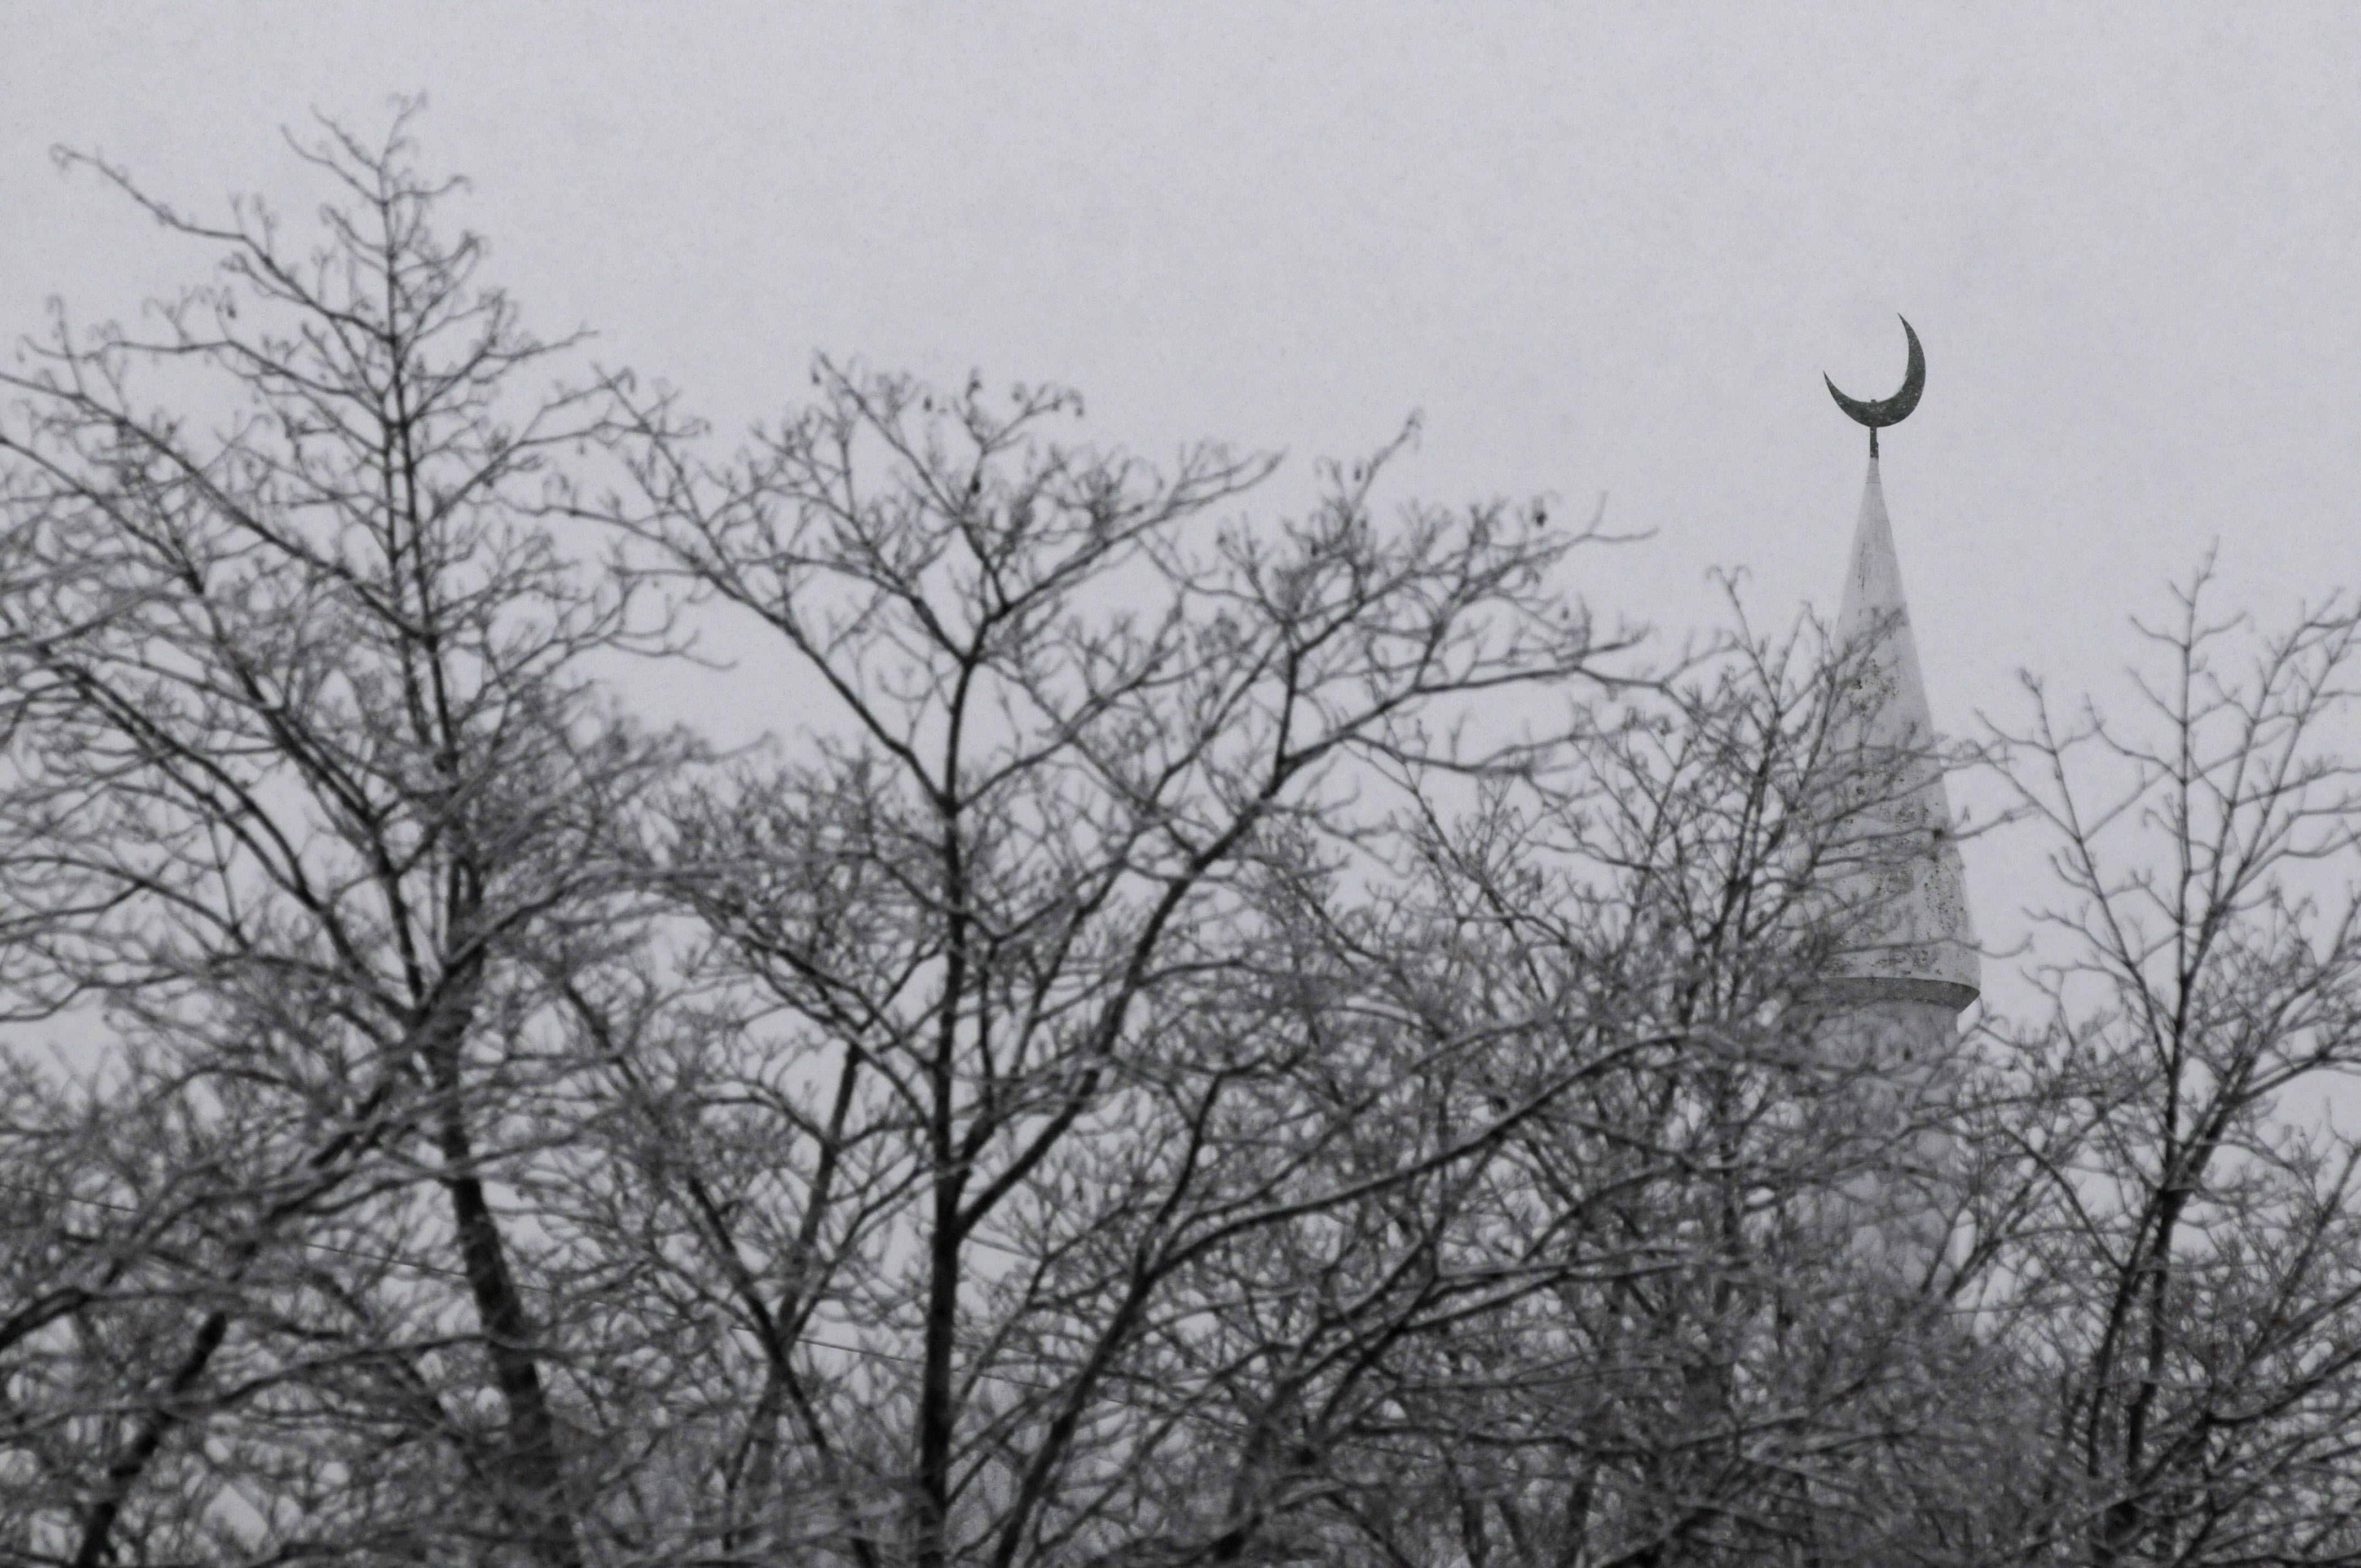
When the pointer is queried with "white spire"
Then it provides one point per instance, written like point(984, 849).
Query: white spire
point(1920, 945)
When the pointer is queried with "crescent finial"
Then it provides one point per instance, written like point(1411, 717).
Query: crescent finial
point(1893, 409)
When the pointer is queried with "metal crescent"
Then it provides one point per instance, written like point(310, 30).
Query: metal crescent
point(1895, 409)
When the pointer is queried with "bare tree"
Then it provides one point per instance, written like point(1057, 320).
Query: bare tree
point(310, 805)
point(1722, 1362)
point(1021, 1034)
point(1220, 1040)
point(2193, 1305)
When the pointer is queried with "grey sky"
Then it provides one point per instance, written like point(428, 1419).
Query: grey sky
point(1603, 248)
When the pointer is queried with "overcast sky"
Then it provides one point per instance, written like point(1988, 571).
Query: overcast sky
point(1603, 248)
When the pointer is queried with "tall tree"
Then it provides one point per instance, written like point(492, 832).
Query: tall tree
point(312, 804)
point(2194, 1303)
point(1727, 1361)
point(1221, 1038)
point(1025, 1030)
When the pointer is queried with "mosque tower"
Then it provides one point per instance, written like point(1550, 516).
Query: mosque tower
point(1913, 959)
point(1909, 967)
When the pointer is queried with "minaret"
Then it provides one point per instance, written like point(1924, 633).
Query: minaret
point(1909, 966)
point(1917, 949)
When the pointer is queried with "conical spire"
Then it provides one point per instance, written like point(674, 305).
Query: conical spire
point(1918, 944)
